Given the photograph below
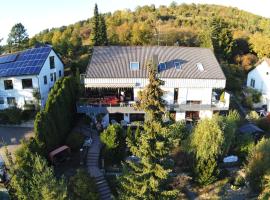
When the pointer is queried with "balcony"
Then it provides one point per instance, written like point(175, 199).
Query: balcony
point(128, 107)
point(122, 101)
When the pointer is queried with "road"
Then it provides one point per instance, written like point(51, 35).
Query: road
point(12, 136)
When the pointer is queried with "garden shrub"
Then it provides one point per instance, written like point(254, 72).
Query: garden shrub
point(258, 164)
point(82, 186)
point(229, 126)
point(179, 130)
point(75, 141)
point(265, 195)
point(252, 96)
point(253, 116)
point(264, 123)
point(248, 102)
point(244, 143)
point(114, 139)
point(206, 143)
point(13, 115)
point(206, 171)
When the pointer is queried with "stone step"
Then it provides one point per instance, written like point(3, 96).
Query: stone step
point(102, 185)
point(104, 190)
point(106, 197)
point(99, 177)
point(100, 182)
point(93, 157)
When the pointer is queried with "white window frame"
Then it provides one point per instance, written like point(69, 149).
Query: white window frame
point(132, 63)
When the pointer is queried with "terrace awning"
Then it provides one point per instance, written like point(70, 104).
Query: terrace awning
point(109, 85)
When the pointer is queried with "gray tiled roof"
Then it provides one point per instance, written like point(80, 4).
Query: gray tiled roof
point(114, 62)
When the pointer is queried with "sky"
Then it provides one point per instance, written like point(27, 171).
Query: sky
point(37, 15)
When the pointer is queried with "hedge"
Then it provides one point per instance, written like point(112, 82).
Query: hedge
point(54, 122)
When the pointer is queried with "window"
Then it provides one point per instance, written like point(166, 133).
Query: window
point(8, 84)
point(252, 83)
point(161, 66)
point(52, 64)
point(134, 65)
point(27, 83)
point(54, 76)
point(60, 73)
point(2, 100)
point(175, 96)
point(177, 65)
point(11, 101)
point(51, 75)
point(45, 80)
point(200, 66)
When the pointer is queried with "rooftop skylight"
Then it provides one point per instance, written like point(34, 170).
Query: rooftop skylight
point(200, 66)
point(134, 65)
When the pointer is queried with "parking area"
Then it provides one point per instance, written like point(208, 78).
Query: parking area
point(11, 137)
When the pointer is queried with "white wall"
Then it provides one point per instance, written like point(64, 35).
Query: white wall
point(169, 82)
point(18, 92)
point(194, 94)
point(205, 114)
point(168, 95)
point(46, 71)
point(262, 79)
point(261, 75)
point(180, 116)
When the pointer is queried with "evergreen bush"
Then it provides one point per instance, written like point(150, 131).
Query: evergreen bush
point(258, 164)
point(75, 141)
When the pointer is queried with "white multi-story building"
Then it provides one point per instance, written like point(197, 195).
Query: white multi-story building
point(193, 80)
point(27, 72)
point(259, 79)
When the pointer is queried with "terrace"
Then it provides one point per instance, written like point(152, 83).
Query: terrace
point(114, 100)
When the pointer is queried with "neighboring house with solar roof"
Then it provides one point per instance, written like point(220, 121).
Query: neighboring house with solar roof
point(26, 72)
point(259, 79)
point(193, 80)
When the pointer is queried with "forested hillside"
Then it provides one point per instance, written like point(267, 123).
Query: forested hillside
point(237, 37)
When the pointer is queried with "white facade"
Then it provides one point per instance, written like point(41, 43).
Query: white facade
point(22, 95)
point(198, 92)
point(259, 79)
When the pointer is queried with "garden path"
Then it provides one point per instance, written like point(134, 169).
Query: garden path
point(93, 168)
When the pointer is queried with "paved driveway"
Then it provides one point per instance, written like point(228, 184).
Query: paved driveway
point(12, 136)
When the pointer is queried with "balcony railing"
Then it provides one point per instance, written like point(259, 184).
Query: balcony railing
point(128, 107)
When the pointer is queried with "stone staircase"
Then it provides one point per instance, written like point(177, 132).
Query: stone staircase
point(93, 169)
point(103, 188)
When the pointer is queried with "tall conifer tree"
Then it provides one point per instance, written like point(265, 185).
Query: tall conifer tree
point(103, 31)
point(96, 29)
point(149, 178)
point(99, 29)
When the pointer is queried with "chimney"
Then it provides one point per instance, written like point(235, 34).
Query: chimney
point(155, 61)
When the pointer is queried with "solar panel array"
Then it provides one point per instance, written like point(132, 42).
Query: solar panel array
point(8, 58)
point(28, 62)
